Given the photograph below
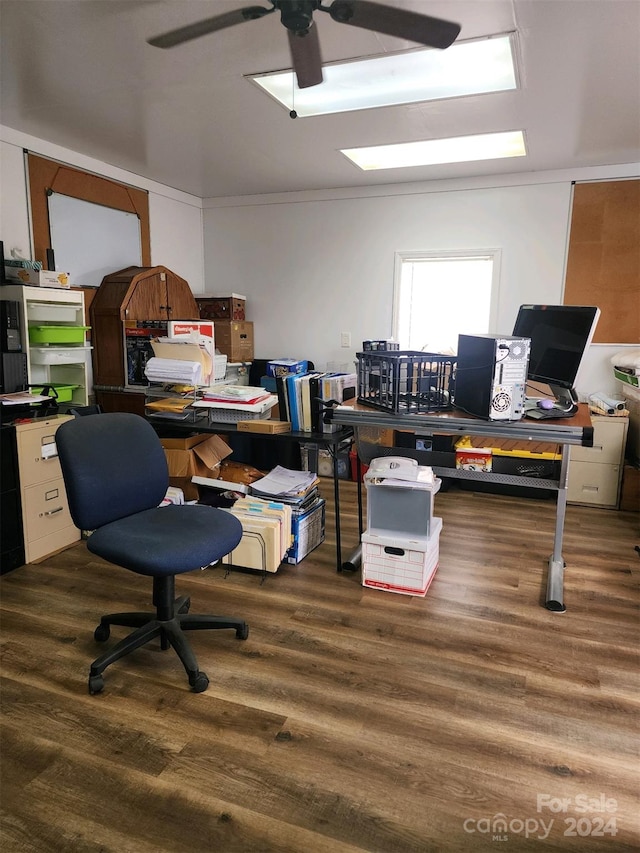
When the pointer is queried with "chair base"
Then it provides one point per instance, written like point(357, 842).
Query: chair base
point(169, 622)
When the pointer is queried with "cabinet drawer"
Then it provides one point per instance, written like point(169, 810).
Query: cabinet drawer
point(608, 442)
point(45, 510)
point(594, 484)
point(50, 543)
point(38, 456)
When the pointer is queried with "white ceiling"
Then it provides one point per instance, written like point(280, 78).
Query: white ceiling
point(78, 73)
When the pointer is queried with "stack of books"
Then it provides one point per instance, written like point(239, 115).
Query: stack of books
point(302, 398)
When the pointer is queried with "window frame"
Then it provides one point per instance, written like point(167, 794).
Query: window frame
point(403, 257)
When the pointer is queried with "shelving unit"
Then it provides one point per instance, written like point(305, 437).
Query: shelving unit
point(158, 393)
point(60, 362)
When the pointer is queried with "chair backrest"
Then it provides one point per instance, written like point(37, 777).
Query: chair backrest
point(81, 411)
point(113, 466)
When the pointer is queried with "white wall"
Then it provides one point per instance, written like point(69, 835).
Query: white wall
point(313, 266)
point(175, 218)
point(313, 269)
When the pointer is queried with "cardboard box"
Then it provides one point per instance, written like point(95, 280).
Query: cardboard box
point(234, 339)
point(270, 427)
point(308, 532)
point(474, 458)
point(286, 367)
point(222, 307)
point(198, 455)
point(633, 435)
point(405, 565)
point(39, 278)
point(195, 331)
point(630, 492)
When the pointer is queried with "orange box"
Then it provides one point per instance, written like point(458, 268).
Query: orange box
point(474, 458)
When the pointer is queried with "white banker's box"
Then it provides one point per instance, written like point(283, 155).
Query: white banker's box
point(403, 564)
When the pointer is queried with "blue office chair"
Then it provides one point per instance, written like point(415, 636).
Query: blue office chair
point(115, 472)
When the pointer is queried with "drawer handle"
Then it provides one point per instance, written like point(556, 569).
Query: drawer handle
point(53, 511)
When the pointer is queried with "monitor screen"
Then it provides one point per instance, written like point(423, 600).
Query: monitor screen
point(560, 335)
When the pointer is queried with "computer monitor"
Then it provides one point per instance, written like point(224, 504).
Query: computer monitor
point(560, 336)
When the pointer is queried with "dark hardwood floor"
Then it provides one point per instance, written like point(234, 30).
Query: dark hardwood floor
point(350, 719)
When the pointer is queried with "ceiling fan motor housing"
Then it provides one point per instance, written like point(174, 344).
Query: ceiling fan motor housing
point(296, 15)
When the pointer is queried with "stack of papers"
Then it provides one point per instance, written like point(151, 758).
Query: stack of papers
point(285, 484)
point(242, 394)
point(22, 398)
point(173, 370)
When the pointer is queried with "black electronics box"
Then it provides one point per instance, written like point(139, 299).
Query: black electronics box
point(10, 338)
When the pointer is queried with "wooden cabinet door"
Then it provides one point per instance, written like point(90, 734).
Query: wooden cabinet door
point(148, 300)
point(181, 302)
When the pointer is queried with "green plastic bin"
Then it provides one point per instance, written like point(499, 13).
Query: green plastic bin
point(57, 334)
point(64, 392)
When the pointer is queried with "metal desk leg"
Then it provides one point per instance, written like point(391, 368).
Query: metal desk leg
point(359, 476)
point(355, 558)
point(555, 577)
point(336, 504)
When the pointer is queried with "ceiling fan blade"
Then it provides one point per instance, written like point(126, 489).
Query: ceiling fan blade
point(209, 25)
point(433, 32)
point(305, 54)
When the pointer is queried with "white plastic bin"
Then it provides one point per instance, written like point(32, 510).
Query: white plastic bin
point(400, 507)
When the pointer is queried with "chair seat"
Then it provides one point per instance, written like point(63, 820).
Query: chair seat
point(167, 540)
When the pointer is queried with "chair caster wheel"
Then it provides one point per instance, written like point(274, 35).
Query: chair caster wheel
point(242, 633)
point(96, 684)
point(101, 634)
point(199, 682)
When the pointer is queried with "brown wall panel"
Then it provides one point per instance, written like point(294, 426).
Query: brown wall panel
point(49, 175)
point(603, 264)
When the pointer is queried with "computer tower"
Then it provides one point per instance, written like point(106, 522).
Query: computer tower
point(491, 376)
point(13, 372)
point(10, 338)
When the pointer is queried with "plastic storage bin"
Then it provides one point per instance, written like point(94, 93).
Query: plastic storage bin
point(406, 382)
point(64, 392)
point(49, 312)
point(72, 355)
point(402, 508)
point(57, 334)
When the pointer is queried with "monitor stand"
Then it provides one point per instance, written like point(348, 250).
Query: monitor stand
point(565, 406)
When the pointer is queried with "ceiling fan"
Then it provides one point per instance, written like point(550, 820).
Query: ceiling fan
point(297, 17)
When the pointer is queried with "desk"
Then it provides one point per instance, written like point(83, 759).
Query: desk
point(577, 430)
point(329, 440)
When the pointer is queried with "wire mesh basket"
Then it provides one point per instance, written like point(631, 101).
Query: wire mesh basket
point(406, 382)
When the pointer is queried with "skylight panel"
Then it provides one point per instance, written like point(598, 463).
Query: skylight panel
point(431, 152)
point(466, 68)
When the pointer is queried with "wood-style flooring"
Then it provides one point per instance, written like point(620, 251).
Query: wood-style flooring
point(350, 720)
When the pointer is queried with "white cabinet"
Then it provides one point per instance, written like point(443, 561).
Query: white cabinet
point(46, 520)
point(61, 356)
point(595, 473)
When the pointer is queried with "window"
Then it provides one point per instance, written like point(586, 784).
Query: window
point(438, 296)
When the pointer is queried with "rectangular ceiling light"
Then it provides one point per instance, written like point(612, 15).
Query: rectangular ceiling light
point(459, 149)
point(425, 74)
